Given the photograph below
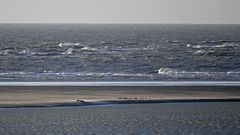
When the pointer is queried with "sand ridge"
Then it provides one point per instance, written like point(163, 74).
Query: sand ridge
point(66, 94)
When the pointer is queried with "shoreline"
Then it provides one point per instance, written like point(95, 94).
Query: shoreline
point(114, 102)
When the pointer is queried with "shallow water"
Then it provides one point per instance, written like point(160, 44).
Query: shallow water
point(169, 118)
point(107, 52)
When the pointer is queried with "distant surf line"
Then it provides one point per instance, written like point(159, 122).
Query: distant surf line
point(123, 83)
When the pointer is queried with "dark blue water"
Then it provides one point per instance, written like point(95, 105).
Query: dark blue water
point(136, 119)
point(104, 52)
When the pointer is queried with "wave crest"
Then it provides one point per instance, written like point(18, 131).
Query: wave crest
point(69, 44)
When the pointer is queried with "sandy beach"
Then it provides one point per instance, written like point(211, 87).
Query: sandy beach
point(68, 94)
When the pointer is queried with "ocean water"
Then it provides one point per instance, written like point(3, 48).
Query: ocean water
point(135, 119)
point(119, 52)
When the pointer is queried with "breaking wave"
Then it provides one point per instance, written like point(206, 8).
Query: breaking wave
point(69, 51)
point(65, 75)
point(69, 44)
point(225, 45)
point(175, 72)
point(86, 48)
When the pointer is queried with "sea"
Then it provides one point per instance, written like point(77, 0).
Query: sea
point(119, 52)
point(137, 119)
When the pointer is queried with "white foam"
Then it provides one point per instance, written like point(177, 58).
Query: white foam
point(163, 71)
point(16, 73)
point(174, 72)
point(25, 51)
point(213, 46)
point(198, 46)
point(220, 46)
point(86, 48)
point(69, 51)
point(199, 52)
point(5, 52)
point(68, 44)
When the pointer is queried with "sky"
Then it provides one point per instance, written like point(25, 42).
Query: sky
point(120, 11)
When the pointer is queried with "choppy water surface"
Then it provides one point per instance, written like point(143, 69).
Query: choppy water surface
point(150, 119)
point(81, 52)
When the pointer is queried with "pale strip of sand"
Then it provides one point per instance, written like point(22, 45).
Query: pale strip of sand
point(68, 94)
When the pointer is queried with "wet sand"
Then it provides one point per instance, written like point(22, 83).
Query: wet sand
point(150, 119)
point(10, 95)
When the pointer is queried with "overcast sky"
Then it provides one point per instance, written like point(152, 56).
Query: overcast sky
point(120, 11)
